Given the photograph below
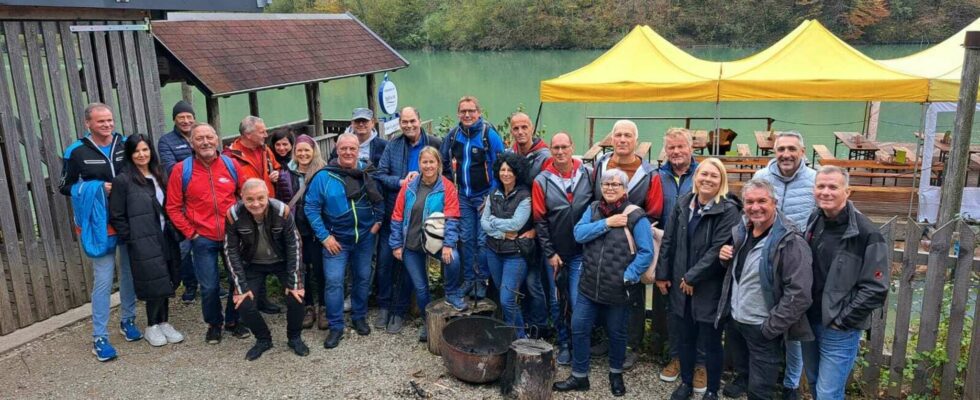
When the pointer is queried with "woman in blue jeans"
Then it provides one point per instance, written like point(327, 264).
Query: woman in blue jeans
point(617, 249)
point(418, 199)
point(510, 232)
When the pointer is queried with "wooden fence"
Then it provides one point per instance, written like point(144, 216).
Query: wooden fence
point(49, 73)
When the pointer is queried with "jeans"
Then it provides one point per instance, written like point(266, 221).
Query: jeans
point(394, 285)
point(794, 364)
point(104, 268)
point(584, 317)
point(334, 268)
point(829, 360)
point(765, 360)
point(205, 253)
point(695, 334)
point(509, 271)
point(536, 306)
point(255, 275)
point(187, 266)
point(415, 265)
point(471, 238)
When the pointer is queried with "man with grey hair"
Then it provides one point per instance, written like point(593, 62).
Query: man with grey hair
point(793, 182)
point(850, 281)
point(766, 290)
point(261, 240)
point(256, 160)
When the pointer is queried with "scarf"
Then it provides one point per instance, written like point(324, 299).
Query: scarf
point(357, 183)
point(608, 209)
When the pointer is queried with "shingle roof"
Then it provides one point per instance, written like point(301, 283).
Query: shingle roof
point(235, 53)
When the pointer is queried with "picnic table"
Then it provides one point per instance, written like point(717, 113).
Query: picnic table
point(858, 149)
point(642, 149)
point(764, 143)
point(944, 149)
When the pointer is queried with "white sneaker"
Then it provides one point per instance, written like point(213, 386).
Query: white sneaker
point(172, 335)
point(155, 336)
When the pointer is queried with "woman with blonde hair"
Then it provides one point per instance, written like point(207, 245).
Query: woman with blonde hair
point(306, 161)
point(691, 273)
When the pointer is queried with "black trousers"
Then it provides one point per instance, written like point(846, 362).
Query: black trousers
point(766, 359)
point(313, 264)
point(636, 327)
point(254, 274)
point(694, 337)
point(157, 310)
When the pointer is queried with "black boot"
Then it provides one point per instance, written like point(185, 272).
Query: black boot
point(683, 392)
point(298, 346)
point(261, 346)
point(616, 385)
point(736, 388)
point(572, 383)
point(333, 338)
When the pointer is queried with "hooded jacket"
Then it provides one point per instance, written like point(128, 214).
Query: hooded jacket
point(794, 193)
point(536, 156)
point(200, 208)
point(242, 236)
point(468, 155)
point(84, 161)
point(249, 167)
point(786, 268)
point(858, 278)
point(643, 188)
point(557, 203)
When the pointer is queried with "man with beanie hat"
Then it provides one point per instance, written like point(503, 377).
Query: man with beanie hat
point(174, 147)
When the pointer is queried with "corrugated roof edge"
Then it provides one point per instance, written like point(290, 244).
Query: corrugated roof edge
point(221, 16)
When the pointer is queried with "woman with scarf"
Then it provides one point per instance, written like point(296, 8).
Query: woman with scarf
point(282, 142)
point(618, 248)
point(306, 161)
point(507, 223)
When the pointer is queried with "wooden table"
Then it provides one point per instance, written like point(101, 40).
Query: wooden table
point(865, 150)
point(944, 149)
point(764, 142)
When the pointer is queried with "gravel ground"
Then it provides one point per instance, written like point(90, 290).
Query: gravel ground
point(378, 366)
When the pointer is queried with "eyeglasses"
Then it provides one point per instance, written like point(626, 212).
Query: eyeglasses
point(562, 148)
point(611, 185)
point(469, 111)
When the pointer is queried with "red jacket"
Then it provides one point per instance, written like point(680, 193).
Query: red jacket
point(252, 168)
point(210, 193)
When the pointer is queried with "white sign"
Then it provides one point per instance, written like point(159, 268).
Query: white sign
point(388, 97)
point(391, 126)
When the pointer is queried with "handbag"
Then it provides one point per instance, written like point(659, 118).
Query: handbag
point(433, 233)
point(649, 276)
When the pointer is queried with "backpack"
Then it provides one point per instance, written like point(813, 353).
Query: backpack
point(188, 169)
point(451, 139)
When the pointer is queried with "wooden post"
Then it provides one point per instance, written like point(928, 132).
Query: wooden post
point(954, 178)
point(530, 370)
point(314, 112)
point(214, 114)
point(253, 103)
point(591, 132)
point(372, 99)
point(186, 94)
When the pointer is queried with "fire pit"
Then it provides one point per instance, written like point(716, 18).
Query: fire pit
point(475, 348)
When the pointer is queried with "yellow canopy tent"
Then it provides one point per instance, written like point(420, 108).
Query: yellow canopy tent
point(643, 67)
point(812, 64)
point(942, 64)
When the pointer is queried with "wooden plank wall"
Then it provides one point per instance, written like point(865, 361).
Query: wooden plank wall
point(53, 74)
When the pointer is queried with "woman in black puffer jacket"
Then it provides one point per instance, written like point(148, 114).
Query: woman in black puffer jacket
point(136, 213)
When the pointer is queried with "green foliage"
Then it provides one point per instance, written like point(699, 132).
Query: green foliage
point(596, 24)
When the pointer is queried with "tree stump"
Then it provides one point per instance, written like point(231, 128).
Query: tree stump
point(530, 370)
point(438, 314)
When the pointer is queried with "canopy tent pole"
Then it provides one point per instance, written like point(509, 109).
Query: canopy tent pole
point(919, 144)
point(717, 133)
point(537, 118)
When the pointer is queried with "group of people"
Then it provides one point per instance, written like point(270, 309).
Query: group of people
point(784, 276)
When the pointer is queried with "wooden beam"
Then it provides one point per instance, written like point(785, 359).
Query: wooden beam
point(151, 84)
point(314, 111)
point(253, 103)
point(70, 13)
point(136, 85)
point(372, 98)
point(214, 113)
point(186, 94)
point(121, 82)
point(954, 178)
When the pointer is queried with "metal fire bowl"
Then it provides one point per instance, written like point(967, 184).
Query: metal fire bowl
point(474, 348)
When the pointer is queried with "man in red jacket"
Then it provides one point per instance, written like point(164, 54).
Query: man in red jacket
point(198, 212)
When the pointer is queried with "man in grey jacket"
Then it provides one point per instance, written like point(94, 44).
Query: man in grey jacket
point(850, 281)
point(766, 290)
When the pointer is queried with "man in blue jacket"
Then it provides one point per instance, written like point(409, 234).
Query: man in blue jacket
point(97, 157)
point(345, 210)
point(468, 153)
point(174, 147)
point(399, 164)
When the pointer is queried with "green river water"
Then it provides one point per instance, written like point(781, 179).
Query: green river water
point(504, 81)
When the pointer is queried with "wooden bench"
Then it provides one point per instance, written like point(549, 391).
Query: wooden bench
point(744, 150)
point(593, 152)
point(822, 152)
point(743, 167)
point(876, 170)
point(642, 150)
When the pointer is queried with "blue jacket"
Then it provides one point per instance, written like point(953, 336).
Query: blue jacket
point(173, 148)
point(84, 161)
point(794, 193)
point(473, 177)
point(91, 207)
point(673, 190)
point(436, 201)
point(393, 165)
point(330, 212)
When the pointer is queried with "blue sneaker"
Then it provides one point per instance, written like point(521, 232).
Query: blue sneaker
point(103, 350)
point(456, 303)
point(480, 289)
point(190, 294)
point(129, 329)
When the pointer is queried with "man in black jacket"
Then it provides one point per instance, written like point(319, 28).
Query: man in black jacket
point(766, 290)
point(261, 239)
point(850, 281)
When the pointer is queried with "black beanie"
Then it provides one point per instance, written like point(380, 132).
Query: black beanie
point(182, 106)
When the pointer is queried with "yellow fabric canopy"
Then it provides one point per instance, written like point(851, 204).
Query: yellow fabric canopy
point(643, 67)
point(942, 64)
point(812, 64)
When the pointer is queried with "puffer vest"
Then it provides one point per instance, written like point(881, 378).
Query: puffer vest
point(605, 261)
point(504, 206)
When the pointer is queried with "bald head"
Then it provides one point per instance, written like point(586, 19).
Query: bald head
point(562, 149)
point(410, 124)
point(522, 130)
